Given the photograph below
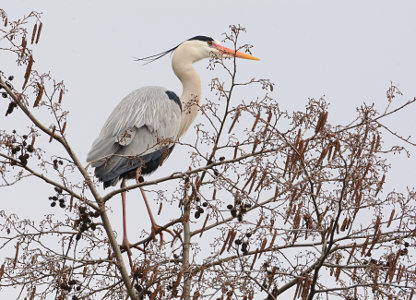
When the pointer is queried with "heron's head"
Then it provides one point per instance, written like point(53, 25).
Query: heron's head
point(197, 48)
point(200, 47)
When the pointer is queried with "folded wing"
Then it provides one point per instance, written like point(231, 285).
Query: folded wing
point(139, 133)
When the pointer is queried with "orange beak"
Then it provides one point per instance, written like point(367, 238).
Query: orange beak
point(227, 51)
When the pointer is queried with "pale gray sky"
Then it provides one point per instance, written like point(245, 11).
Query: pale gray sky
point(346, 50)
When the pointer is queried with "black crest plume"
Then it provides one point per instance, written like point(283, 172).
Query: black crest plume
point(152, 58)
point(202, 38)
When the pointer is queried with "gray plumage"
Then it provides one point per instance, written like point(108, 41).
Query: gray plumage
point(142, 129)
point(139, 133)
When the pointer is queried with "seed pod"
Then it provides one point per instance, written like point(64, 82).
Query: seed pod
point(322, 156)
point(269, 117)
point(237, 115)
point(377, 224)
point(391, 218)
point(351, 253)
point(203, 226)
point(263, 176)
point(330, 147)
point(16, 255)
point(365, 133)
point(52, 134)
point(256, 120)
point(273, 238)
point(1, 271)
point(365, 246)
point(63, 128)
point(24, 43)
point(254, 259)
point(60, 95)
point(373, 242)
point(286, 165)
point(321, 121)
point(263, 246)
point(226, 241)
point(253, 180)
point(344, 224)
point(39, 30)
point(28, 70)
point(380, 184)
point(377, 143)
point(235, 150)
point(297, 138)
point(253, 174)
point(232, 237)
point(256, 142)
point(337, 148)
point(35, 29)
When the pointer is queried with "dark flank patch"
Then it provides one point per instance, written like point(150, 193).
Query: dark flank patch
point(202, 38)
point(174, 97)
point(127, 168)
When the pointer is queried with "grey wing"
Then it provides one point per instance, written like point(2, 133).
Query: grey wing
point(142, 126)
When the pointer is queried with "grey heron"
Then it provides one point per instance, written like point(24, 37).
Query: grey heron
point(141, 131)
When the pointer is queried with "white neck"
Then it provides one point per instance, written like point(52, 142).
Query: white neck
point(191, 95)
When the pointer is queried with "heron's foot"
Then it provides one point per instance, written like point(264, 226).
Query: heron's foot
point(125, 246)
point(158, 230)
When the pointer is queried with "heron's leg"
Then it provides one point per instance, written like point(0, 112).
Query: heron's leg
point(125, 244)
point(156, 229)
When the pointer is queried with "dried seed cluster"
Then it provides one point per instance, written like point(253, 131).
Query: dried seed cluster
point(238, 210)
point(5, 95)
point(21, 149)
point(141, 287)
point(84, 221)
point(199, 209)
point(58, 198)
point(243, 242)
point(68, 286)
point(56, 163)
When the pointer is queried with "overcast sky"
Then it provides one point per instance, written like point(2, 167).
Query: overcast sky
point(348, 51)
